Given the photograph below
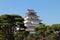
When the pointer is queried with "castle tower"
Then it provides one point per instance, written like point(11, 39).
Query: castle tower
point(31, 20)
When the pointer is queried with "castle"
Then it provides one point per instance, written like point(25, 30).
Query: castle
point(31, 20)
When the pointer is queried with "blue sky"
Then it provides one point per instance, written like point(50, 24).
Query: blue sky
point(48, 10)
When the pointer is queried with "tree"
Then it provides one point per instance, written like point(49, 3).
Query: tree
point(52, 32)
point(40, 31)
point(8, 23)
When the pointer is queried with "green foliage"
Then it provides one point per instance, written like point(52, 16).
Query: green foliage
point(46, 30)
point(19, 35)
point(29, 37)
point(7, 25)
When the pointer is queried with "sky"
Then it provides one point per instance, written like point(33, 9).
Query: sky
point(48, 10)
